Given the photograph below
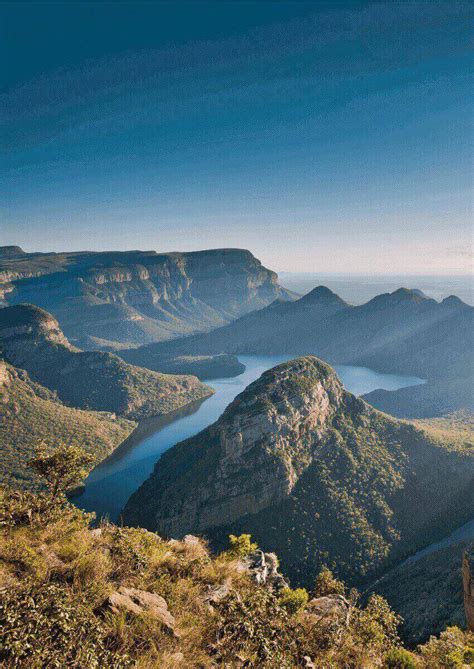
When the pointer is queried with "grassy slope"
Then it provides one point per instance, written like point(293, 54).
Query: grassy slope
point(30, 414)
point(57, 576)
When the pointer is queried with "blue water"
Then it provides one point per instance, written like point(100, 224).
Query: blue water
point(111, 483)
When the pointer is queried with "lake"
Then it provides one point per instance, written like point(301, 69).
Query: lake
point(111, 483)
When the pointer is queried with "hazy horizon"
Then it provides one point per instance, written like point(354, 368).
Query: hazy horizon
point(322, 135)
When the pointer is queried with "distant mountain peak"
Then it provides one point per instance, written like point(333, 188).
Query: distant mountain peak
point(454, 301)
point(321, 295)
point(401, 296)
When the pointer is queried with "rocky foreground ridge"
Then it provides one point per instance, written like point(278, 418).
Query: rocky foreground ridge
point(314, 473)
point(73, 596)
point(112, 299)
point(31, 339)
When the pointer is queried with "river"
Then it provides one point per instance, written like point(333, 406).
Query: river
point(111, 483)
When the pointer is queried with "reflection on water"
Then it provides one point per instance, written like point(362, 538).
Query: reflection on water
point(111, 483)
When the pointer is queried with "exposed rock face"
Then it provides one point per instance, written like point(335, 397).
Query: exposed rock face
point(332, 606)
point(263, 569)
point(468, 586)
point(261, 444)
point(31, 339)
point(313, 473)
point(102, 299)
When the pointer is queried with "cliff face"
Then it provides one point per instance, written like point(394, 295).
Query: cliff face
point(312, 472)
point(255, 453)
point(31, 339)
point(102, 299)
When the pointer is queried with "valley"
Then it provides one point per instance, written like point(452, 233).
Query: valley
point(294, 452)
point(114, 480)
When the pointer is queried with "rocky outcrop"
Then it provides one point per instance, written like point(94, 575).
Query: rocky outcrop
point(31, 339)
point(468, 586)
point(335, 607)
point(311, 472)
point(263, 568)
point(138, 602)
point(136, 297)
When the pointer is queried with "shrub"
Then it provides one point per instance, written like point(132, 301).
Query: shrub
point(62, 468)
point(327, 584)
point(293, 600)
point(45, 626)
point(240, 546)
point(399, 658)
point(451, 650)
point(377, 624)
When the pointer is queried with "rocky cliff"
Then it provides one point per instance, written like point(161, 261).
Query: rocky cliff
point(135, 297)
point(31, 339)
point(314, 473)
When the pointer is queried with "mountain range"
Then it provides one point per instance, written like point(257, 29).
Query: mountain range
point(115, 299)
point(403, 332)
point(313, 473)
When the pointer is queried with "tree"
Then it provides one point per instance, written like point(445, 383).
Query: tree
point(61, 468)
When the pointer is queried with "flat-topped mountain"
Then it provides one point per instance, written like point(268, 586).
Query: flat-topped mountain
point(31, 339)
point(403, 332)
point(136, 297)
point(311, 472)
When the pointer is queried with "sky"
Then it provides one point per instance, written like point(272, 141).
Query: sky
point(323, 136)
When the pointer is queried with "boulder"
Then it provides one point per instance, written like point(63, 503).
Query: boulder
point(138, 602)
point(217, 593)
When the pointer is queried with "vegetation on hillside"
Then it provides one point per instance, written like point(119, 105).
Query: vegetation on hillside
point(431, 597)
point(350, 481)
point(115, 597)
point(31, 338)
point(30, 415)
point(455, 429)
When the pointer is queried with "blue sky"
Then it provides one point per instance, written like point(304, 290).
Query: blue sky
point(323, 136)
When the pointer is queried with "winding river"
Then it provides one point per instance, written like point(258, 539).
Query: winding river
point(111, 483)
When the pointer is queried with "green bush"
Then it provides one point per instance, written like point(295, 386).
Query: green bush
point(399, 658)
point(45, 626)
point(293, 600)
point(451, 650)
point(240, 546)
